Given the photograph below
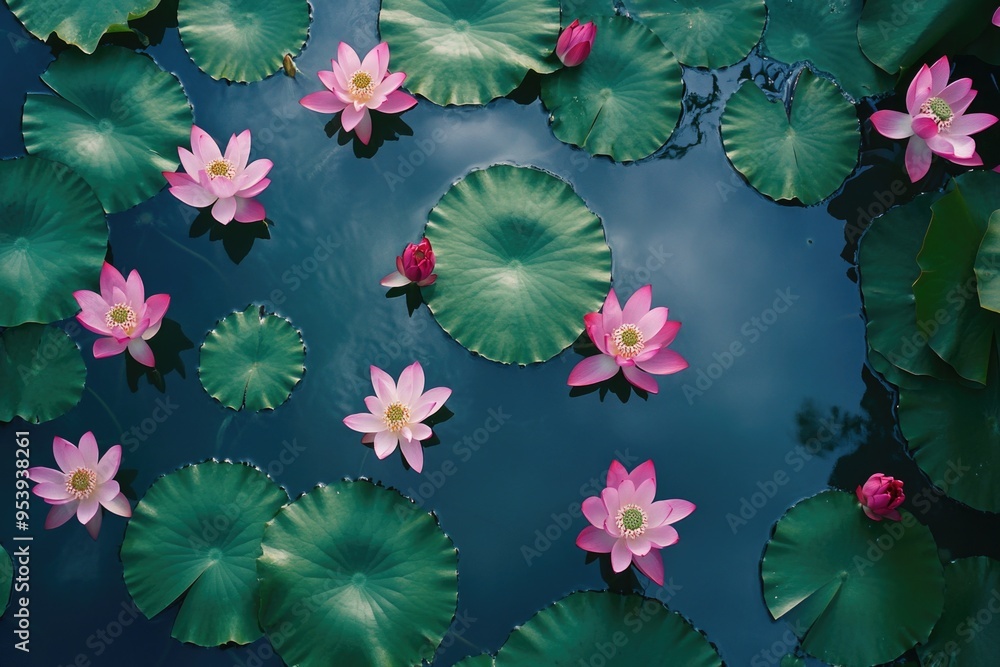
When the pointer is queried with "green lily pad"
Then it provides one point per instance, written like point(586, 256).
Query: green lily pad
point(520, 261)
point(887, 261)
point(41, 371)
point(485, 660)
point(896, 35)
point(825, 33)
point(634, 629)
point(363, 575)
point(6, 578)
point(242, 40)
point(704, 33)
point(624, 100)
point(252, 360)
point(952, 434)
point(195, 537)
point(79, 23)
point(792, 661)
point(961, 638)
point(946, 289)
point(987, 266)
point(805, 155)
point(53, 238)
point(860, 592)
point(576, 9)
point(469, 52)
point(116, 119)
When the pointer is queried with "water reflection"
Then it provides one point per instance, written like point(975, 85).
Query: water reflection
point(385, 127)
point(167, 345)
point(616, 385)
point(414, 297)
point(237, 237)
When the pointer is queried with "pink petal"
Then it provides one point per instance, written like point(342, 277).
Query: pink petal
point(662, 536)
point(364, 127)
point(952, 146)
point(238, 150)
point(650, 323)
point(94, 311)
point(67, 456)
point(108, 347)
point(566, 37)
point(892, 124)
point(107, 468)
point(610, 498)
point(373, 60)
point(364, 422)
point(959, 107)
point(88, 450)
point(252, 175)
point(577, 54)
point(254, 190)
point(224, 210)
point(141, 352)
point(612, 312)
point(178, 179)
point(249, 210)
point(641, 379)
point(46, 475)
point(925, 127)
point(397, 102)
point(626, 493)
point(651, 565)
point(52, 491)
point(666, 336)
point(643, 473)
point(383, 60)
point(617, 474)
point(972, 161)
point(348, 58)
point(940, 71)
point(638, 304)
point(190, 163)
point(645, 493)
point(595, 511)
point(118, 505)
point(413, 452)
point(395, 279)
point(592, 370)
point(204, 146)
point(106, 491)
point(385, 387)
point(411, 384)
point(919, 90)
point(156, 308)
point(918, 159)
point(432, 399)
point(351, 117)
point(94, 525)
point(390, 84)
point(679, 509)
point(135, 292)
point(193, 195)
point(86, 510)
point(323, 102)
point(664, 362)
point(420, 431)
point(60, 514)
point(595, 541)
point(955, 91)
point(340, 81)
point(621, 556)
point(639, 545)
point(385, 443)
point(972, 123)
point(996, 17)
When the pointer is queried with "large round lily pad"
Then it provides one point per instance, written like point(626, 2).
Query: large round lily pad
point(825, 33)
point(520, 261)
point(53, 238)
point(363, 575)
point(704, 33)
point(967, 634)
point(196, 535)
point(946, 290)
point(41, 371)
point(953, 435)
point(242, 40)
point(79, 23)
point(804, 155)
point(6, 572)
point(252, 360)
point(887, 260)
point(469, 52)
point(624, 100)
point(573, 630)
point(116, 119)
point(987, 265)
point(860, 592)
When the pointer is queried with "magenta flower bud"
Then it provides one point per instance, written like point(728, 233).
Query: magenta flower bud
point(415, 265)
point(575, 43)
point(880, 496)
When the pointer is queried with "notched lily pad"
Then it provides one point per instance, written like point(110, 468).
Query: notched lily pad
point(41, 371)
point(195, 537)
point(252, 360)
point(79, 23)
point(961, 638)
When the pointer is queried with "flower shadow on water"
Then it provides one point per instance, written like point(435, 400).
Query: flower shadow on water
point(617, 384)
point(443, 414)
point(385, 127)
point(237, 237)
point(167, 345)
point(414, 297)
point(619, 582)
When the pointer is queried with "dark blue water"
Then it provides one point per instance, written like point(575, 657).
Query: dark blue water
point(742, 273)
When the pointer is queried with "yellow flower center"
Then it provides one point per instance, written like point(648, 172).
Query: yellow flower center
point(941, 110)
point(396, 417)
point(220, 168)
point(121, 315)
point(631, 520)
point(81, 483)
point(361, 86)
point(629, 340)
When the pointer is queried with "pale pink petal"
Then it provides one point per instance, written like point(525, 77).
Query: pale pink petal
point(397, 102)
point(385, 443)
point(46, 475)
point(645, 493)
point(135, 292)
point(411, 384)
point(919, 90)
point(141, 352)
point(348, 58)
point(638, 304)
point(52, 491)
point(106, 491)
point(371, 63)
point(626, 493)
point(60, 514)
point(252, 175)
point(592, 370)
point(595, 511)
point(330, 80)
point(666, 336)
point(224, 210)
point(363, 422)
point(972, 123)
point(432, 400)
point(955, 91)
point(925, 127)
point(340, 81)
point(650, 323)
point(679, 509)
point(388, 85)
point(940, 71)
point(996, 17)
point(238, 150)
point(254, 190)
point(959, 107)
point(67, 456)
point(918, 159)
point(107, 468)
point(178, 179)
point(612, 312)
point(892, 124)
point(204, 146)
point(190, 163)
point(644, 472)
point(595, 540)
point(351, 117)
point(594, 324)
point(382, 50)
point(662, 536)
point(323, 102)
point(395, 279)
point(420, 431)
point(952, 146)
point(385, 386)
point(972, 161)
point(610, 498)
point(413, 452)
point(88, 450)
point(364, 127)
point(86, 510)
point(93, 311)
point(617, 474)
point(156, 308)
point(108, 347)
point(651, 565)
point(193, 195)
point(368, 438)
point(249, 210)
point(641, 379)
point(664, 362)
point(639, 545)
point(94, 525)
point(658, 512)
point(621, 557)
point(118, 505)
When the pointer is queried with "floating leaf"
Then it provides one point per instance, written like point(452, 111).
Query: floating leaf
point(961, 638)
point(792, 661)
point(242, 40)
point(53, 238)
point(946, 289)
point(887, 261)
point(116, 119)
point(520, 261)
point(485, 660)
point(79, 23)
point(638, 630)
point(825, 33)
point(987, 266)
point(195, 537)
point(896, 35)
point(805, 155)
point(953, 436)
point(6, 578)
point(860, 592)
point(469, 52)
point(704, 33)
point(624, 100)
point(41, 372)
point(252, 360)
point(363, 575)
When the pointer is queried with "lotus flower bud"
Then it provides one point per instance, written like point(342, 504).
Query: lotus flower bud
point(880, 496)
point(575, 43)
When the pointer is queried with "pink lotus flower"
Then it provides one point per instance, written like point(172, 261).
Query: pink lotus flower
point(225, 182)
point(357, 87)
point(83, 484)
point(122, 313)
point(634, 339)
point(880, 496)
point(396, 413)
point(575, 43)
point(996, 17)
point(415, 265)
point(935, 122)
point(626, 523)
